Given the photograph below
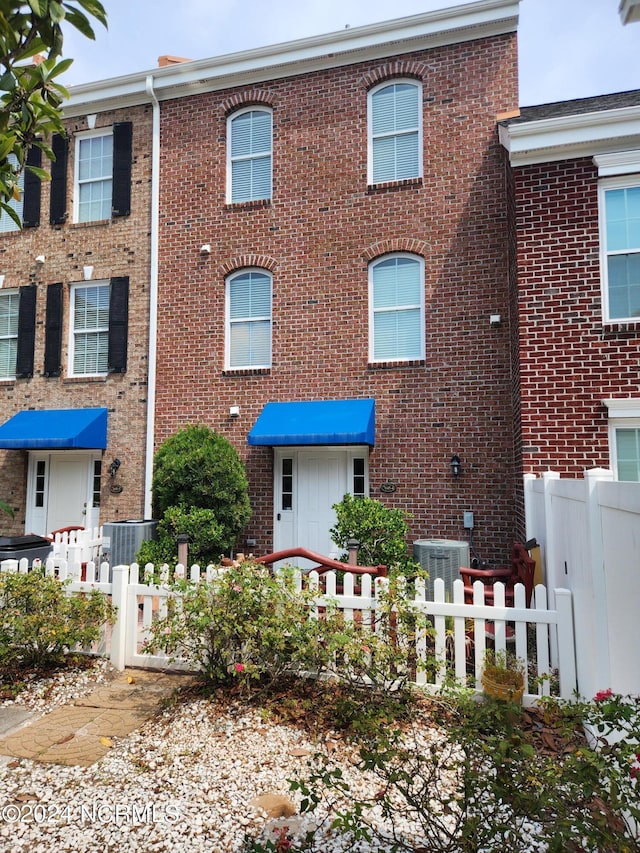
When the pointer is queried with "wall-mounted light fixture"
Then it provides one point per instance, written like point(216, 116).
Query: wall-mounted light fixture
point(495, 320)
point(456, 467)
point(87, 273)
point(40, 259)
point(234, 411)
point(113, 468)
point(205, 249)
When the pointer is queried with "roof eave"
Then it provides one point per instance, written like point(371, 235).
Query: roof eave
point(469, 21)
point(569, 137)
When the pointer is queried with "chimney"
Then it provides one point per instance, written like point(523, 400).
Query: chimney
point(166, 59)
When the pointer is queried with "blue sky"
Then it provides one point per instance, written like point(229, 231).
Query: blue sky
point(568, 48)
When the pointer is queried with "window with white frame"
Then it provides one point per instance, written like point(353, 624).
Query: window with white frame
point(8, 224)
point(395, 131)
point(93, 177)
point(249, 135)
point(248, 314)
point(624, 438)
point(620, 248)
point(9, 304)
point(396, 309)
point(89, 344)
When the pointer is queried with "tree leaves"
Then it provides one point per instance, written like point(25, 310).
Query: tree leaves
point(31, 103)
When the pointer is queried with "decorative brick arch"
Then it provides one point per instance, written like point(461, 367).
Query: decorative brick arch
point(396, 244)
point(397, 68)
point(248, 98)
point(243, 261)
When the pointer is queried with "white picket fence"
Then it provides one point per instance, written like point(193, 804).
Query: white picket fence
point(543, 637)
point(78, 546)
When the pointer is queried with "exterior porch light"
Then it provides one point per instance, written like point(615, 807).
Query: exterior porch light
point(456, 467)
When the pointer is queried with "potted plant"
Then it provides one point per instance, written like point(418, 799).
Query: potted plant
point(503, 677)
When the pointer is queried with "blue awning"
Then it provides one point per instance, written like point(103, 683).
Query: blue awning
point(316, 422)
point(56, 429)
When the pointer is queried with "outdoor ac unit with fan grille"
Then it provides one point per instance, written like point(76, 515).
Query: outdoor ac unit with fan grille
point(121, 540)
point(441, 558)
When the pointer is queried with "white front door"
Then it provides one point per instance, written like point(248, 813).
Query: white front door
point(63, 489)
point(308, 482)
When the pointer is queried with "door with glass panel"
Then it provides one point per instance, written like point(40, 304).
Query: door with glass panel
point(308, 482)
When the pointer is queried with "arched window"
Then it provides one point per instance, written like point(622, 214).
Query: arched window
point(248, 310)
point(249, 155)
point(395, 131)
point(396, 309)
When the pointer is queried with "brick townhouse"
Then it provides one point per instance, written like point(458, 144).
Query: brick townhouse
point(575, 194)
point(318, 233)
point(74, 309)
point(333, 292)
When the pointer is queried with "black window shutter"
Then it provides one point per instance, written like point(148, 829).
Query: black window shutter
point(122, 147)
point(31, 204)
point(118, 325)
point(53, 331)
point(58, 200)
point(26, 331)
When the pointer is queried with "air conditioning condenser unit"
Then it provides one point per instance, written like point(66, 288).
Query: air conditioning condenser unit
point(441, 558)
point(121, 540)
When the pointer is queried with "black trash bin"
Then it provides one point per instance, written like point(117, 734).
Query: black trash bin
point(32, 547)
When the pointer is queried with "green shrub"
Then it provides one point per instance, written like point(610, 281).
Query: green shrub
point(248, 624)
point(199, 489)
point(487, 779)
point(40, 621)
point(245, 624)
point(380, 531)
point(207, 540)
point(196, 467)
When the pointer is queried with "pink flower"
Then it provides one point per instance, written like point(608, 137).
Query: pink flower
point(237, 588)
point(603, 695)
point(239, 667)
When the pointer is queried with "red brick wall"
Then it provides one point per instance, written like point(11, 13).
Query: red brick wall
point(117, 247)
point(318, 233)
point(570, 361)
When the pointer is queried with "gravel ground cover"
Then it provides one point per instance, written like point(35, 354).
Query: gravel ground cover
point(183, 782)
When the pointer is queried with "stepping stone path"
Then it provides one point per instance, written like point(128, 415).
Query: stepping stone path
point(80, 734)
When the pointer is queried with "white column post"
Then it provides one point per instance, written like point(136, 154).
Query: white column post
point(119, 597)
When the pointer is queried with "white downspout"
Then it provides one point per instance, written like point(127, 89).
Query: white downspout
point(153, 296)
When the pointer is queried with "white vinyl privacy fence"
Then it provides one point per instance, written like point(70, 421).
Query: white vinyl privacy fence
point(541, 635)
point(589, 533)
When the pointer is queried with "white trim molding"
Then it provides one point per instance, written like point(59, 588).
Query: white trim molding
point(462, 23)
point(618, 163)
point(626, 407)
point(567, 137)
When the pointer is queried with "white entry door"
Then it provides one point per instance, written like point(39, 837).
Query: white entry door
point(308, 482)
point(63, 489)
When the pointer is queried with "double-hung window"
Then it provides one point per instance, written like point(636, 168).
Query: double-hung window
point(90, 329)
point(249, 155)
point(9, 303)
point(94, 177)
point(396, 309)
point(620, 248)
point(624, 437)
point(248, 309)
point(395, 131)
